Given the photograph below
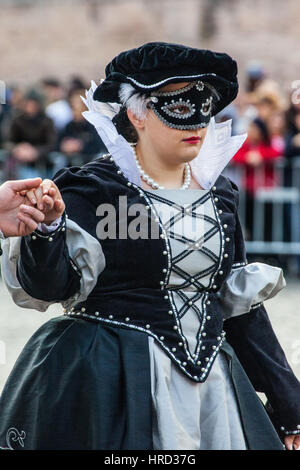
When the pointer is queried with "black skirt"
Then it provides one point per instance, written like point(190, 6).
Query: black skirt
point(81, 385)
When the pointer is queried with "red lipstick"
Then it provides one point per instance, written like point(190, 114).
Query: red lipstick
point(192, 140)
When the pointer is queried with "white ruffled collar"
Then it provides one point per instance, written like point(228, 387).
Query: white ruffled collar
point(218, 148)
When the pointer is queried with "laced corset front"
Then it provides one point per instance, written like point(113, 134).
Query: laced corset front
point(194, 235)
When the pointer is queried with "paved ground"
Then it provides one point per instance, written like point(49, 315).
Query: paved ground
point(18, 324)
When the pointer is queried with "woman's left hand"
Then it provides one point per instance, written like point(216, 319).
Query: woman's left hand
point(292, 442)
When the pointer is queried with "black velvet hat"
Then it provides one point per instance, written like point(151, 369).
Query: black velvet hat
point(155, 64)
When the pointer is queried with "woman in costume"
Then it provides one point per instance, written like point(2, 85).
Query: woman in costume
point(164, 338)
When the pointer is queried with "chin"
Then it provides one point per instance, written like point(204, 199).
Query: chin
point(191, 153)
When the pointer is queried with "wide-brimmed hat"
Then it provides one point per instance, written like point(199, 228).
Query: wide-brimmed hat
point(155, 64)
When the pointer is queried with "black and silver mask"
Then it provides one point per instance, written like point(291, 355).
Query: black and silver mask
point(189, 107)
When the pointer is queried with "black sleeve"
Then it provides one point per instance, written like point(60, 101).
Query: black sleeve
point(45, 270)
point(252, 337)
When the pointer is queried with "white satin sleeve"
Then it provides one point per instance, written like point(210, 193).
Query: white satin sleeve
point(248, 286)
point(86, 256)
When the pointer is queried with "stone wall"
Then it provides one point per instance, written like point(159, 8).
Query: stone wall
point(82, 36)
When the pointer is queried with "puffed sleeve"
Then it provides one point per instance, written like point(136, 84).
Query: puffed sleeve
point(250, 333)
point(62, 266)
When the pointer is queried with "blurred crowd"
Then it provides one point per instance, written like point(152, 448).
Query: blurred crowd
point(42, 130)
point(271, 118)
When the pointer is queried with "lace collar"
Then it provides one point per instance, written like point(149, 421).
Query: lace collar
point(218, 148)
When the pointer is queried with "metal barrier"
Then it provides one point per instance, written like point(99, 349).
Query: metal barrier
point(283, 199)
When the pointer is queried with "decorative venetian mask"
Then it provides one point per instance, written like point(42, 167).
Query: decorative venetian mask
point(186, 108)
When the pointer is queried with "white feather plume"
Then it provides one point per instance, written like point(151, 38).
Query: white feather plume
point(133, 100)
point(108, 109)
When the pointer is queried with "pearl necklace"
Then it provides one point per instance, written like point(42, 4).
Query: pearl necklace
point(151, 182)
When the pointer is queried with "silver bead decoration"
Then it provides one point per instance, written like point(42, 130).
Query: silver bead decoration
point(96, 314)
point(50, 239)
point(173, 349)
point(214, 188)
point(147, 326)
point(127, 319)
point(225, 225)
point(83, 309)
point(225, 255)
point(162, 338)
point(170, 312)
point(111, 317)
point(33, 237)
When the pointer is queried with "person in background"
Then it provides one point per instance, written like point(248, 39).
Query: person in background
point(79, 141)
point(11, 108)
point(255, 74)
point(293, 131)
point(277, 128)
point(31, 137)
point(58, 108)
point(255, 154)
point(76, 84)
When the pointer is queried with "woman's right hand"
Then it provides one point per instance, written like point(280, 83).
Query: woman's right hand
point(47, 199)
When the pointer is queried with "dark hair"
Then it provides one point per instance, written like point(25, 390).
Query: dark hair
point(124, 126)
point(263, 129)
point(51, 81)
